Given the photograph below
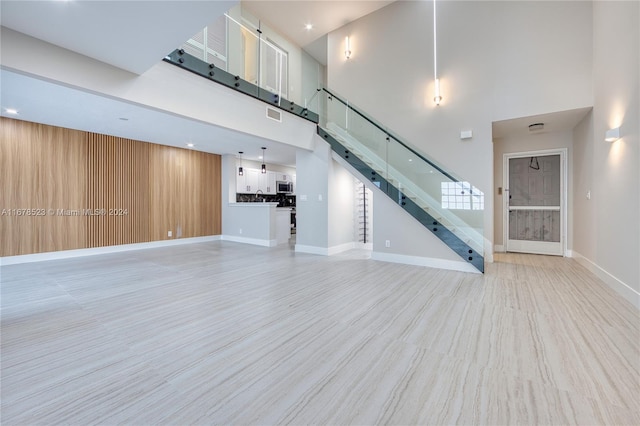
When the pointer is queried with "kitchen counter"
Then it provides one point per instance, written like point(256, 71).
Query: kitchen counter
point(258, 223)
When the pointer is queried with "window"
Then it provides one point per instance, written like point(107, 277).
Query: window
point(461, 196)
point(275, 76)
point(210, 44)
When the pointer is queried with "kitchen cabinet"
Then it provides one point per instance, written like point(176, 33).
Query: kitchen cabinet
point(269, 182)
point(253, 180)
point(250, 182)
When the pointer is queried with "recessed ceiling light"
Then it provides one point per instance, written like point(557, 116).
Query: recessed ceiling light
point(11, 111)
point(190, 145)
point(410, 159)
point(308, 27)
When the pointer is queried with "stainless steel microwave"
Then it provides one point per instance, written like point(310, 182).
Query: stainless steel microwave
point(284, 187)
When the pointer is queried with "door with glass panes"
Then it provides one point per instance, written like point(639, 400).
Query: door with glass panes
point(535, 203)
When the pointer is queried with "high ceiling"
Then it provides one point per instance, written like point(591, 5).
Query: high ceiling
point(291, 18)
point(135, 35)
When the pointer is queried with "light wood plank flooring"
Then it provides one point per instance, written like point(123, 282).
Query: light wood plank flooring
point(225, 333)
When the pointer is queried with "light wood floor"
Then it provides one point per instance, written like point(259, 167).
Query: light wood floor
point(224, 333)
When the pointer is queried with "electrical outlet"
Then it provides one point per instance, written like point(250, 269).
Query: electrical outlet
point(240, 231)
point(319, 197)
point(588, 195)
point(169, 234)
point(387, 243)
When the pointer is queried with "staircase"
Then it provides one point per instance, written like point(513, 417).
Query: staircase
point(442, 203)
point(451, 208)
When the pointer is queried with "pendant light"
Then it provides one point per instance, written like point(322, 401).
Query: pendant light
point(264, 166)
point(240, 170)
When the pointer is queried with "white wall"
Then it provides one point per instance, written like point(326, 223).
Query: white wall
point(312, 221)
point(409, 240)
point(607, 233)
point(495, 62)
point(584, 219)
point(341, 206)
point(252, 164)
point(522, 143)
point(324, 202)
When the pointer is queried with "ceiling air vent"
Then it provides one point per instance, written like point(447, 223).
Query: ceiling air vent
point(274, 114)
point(535, 127)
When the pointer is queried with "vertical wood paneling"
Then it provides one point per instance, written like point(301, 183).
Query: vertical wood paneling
point(185, 193)
point(117, 188)
point(67, 174)
point(43, 168)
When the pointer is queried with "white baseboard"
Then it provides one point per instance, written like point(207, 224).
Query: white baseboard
point(452, 265)
point(488, 250)
point(325, 251)
point(498, 248)
point(364, 246)
point(341, 248)
point(68, 254)
point(252, 241)
point(620, 287)
point(322, 251)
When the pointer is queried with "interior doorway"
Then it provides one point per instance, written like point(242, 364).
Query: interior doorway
point(535, 202)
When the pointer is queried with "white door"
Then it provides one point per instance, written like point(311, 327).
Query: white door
point(535, 203)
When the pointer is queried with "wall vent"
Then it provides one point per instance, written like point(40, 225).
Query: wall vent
point(274, 114)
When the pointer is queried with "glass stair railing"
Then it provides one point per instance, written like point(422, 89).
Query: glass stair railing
point(450, 207)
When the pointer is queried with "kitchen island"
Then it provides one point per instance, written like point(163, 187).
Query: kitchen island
point(263, 224)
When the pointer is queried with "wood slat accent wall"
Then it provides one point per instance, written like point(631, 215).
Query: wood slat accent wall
point(179, 183)
point(43, 168)
point(68, 173)
point(117, 191)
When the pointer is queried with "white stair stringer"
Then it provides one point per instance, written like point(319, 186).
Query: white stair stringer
point(469, 235)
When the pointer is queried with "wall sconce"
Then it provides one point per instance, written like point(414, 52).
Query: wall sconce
point(240, 170)
point(612, 135)
point(264, 166)
point(347, 48)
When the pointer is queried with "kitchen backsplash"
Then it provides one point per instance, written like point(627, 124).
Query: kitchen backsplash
point(282, 199)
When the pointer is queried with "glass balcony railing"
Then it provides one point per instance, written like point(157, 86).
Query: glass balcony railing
point(242, 50)
point(451, 207)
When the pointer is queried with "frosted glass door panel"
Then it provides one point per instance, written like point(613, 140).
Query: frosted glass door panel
point(534, 181)
point(534, 225)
